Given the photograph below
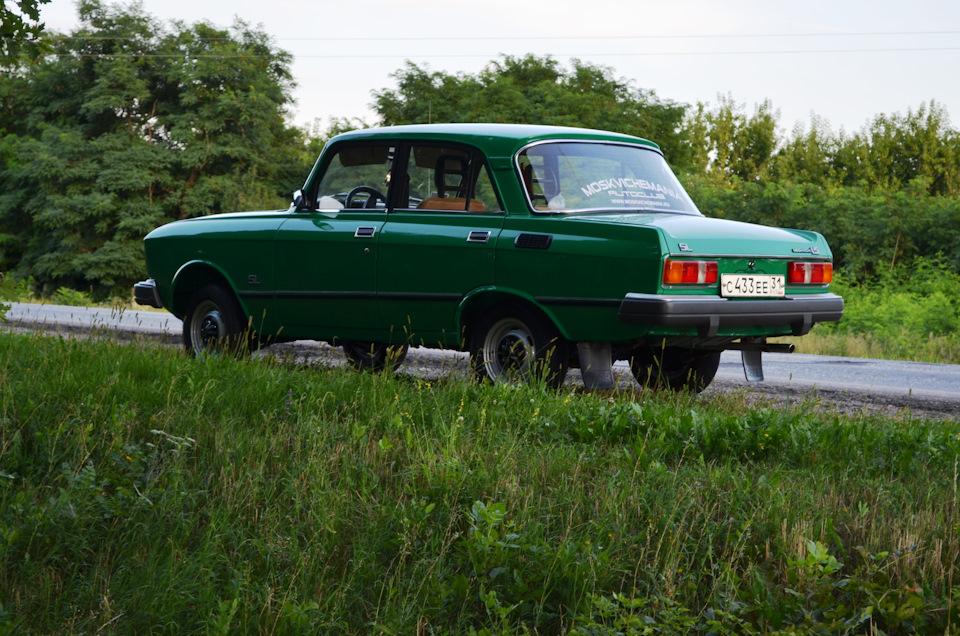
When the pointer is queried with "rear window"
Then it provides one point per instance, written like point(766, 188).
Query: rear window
point(582, 177)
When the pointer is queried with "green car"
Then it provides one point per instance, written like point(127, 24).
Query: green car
point(534, 248)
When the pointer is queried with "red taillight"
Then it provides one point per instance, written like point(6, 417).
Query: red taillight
point(810, 273)
point(689, 272)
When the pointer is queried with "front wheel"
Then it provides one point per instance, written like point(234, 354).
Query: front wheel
point(214, 323)
point(675, 368)
point(374, 356)
point(515, 344)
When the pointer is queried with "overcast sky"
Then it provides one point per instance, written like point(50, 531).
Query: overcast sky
point(845, 60)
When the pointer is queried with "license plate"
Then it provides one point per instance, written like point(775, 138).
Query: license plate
point(751, 286)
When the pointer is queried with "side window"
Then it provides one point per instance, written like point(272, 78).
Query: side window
point(542, 180)
point(484, 193)
point(356, 177)
point(447, 178)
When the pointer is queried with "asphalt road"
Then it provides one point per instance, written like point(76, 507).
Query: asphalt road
point(849, 382)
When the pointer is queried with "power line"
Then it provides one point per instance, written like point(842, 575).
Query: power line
point(549, 37)
point(342, 56)
point(626, 37)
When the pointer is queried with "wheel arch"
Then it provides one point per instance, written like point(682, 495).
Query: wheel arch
point(481, 300)
point(193, 276)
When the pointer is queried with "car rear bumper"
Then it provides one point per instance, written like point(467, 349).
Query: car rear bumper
point(708, 314)
point(145, 293)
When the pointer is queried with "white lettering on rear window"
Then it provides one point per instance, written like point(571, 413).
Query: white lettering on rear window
point(627, 188)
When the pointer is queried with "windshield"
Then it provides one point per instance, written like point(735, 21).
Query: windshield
point(582, 176)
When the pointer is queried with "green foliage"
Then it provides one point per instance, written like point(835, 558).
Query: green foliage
point(922, 298)
point(729, 146)
point(869, 231)
point(910, 313)
point(818, 599)
point(67, 296)
point(888, 154)
point(534, 90)
point(127, 124)
point(139, 488)
point(20, 26)
point(8, 292)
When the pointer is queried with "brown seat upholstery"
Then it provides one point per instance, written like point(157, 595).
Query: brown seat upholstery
point(452, 175)
point(452, 203)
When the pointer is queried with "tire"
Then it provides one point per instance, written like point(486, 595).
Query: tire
point(215, 323)
point(675, 368)
point(515, 344)
point(374, 356)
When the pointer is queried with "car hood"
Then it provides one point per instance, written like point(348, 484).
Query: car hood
point(703, 235)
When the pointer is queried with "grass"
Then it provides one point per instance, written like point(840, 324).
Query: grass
point(141, 491)
point(938, 348)
point(912, 313)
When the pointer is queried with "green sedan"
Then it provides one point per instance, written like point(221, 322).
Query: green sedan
point(534, 248)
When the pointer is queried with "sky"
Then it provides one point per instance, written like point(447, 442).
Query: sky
point(845, 61)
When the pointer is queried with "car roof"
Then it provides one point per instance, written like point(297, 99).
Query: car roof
point(495, 139)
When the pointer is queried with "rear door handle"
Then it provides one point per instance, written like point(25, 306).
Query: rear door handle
point(478, 236)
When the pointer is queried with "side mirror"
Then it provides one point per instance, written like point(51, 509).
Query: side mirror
point(297, 198)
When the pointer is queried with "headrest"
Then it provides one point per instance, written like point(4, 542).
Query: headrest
point(451, 175)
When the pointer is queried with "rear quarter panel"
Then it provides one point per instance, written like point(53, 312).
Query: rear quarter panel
point(581, 278)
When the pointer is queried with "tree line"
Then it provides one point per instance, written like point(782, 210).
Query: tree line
point(128, 123)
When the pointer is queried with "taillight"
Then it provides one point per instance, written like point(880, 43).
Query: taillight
point(689, 272)
point(810, 273)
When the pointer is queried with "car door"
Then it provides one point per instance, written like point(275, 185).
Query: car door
point(438, 243)
point(326, 255)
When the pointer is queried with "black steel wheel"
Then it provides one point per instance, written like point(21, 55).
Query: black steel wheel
point(515, 344)
point(214, 323)
point(374, 356)
point(675, 368)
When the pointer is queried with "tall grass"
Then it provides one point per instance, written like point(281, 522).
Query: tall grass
point(902, 345)
point(911, 313)
point(142, 491)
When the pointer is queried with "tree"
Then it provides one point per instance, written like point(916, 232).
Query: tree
point(128, 123)
point(809, 156)
point(889, 153)
point(730, 145)
point(19, 25)
point(535, 90)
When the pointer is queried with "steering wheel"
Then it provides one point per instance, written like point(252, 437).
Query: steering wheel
point(373, 195)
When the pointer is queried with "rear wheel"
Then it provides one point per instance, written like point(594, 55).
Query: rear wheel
point(374, 356)
point(675, 368)
point(214, 323)
point(515, 344)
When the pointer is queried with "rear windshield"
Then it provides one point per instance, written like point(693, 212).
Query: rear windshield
point(581, 177)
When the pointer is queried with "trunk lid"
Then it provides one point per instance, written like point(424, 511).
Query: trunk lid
point(689, 235)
